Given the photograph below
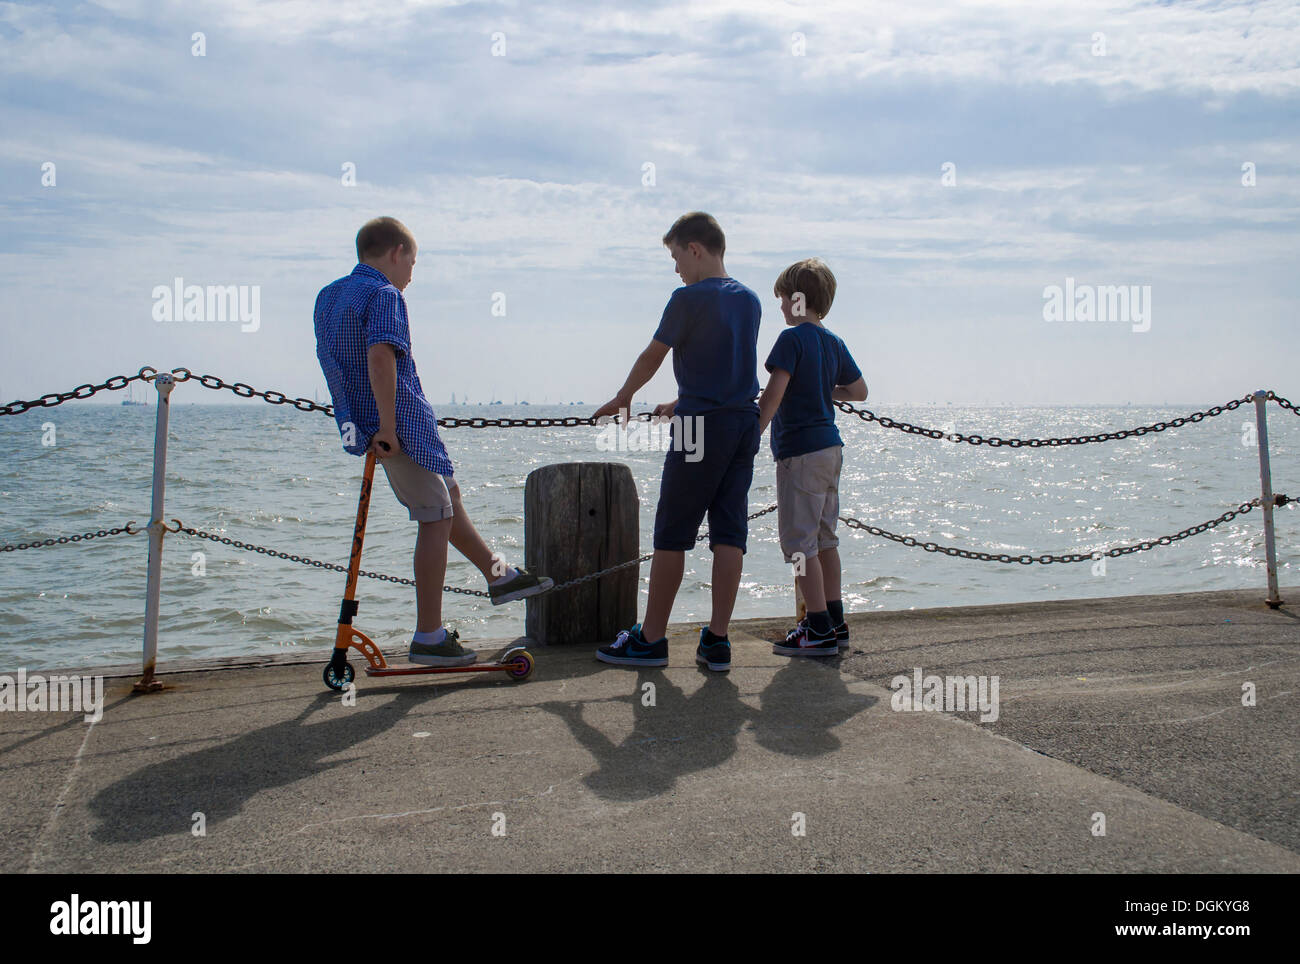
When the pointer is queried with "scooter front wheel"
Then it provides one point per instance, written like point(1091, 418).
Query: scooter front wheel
point(336, 680)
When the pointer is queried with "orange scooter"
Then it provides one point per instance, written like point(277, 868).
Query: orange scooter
point(515, 661)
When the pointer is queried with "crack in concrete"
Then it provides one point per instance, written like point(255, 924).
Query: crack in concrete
point(413, 813)
point(58, 804)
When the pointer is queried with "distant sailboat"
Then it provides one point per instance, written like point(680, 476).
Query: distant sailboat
point(129, 400)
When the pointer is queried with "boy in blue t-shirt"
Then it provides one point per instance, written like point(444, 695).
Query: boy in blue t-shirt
point(811, 369)
point(711, 326)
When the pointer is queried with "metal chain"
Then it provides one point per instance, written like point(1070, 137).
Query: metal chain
point(934, 433)
point(1274, 397)
point(277, 398)
point(114, 384)
point(632, 562)
point(118, 382)
point(304, 560)
point(1044, 559)
point(63, 540)
point(910, 541)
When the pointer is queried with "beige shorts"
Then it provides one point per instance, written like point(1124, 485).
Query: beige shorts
point(808, 501)
point(426, 494)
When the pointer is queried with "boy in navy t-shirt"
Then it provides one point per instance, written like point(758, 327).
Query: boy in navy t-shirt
point(811, 369)
point(711, 326)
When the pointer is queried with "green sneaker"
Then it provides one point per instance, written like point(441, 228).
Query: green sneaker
point(447, 653)
point(523, 585)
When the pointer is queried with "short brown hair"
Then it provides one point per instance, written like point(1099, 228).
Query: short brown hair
point(378, 236)
point(813, 279)
point(697, 226)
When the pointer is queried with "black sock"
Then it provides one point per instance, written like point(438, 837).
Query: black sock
point(820, 623)
point(836, 609)
point(710, 639)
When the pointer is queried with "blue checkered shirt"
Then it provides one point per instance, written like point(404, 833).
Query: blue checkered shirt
point(353, 313)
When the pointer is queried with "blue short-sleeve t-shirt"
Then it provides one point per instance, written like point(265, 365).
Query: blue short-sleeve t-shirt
point(818, 361)
point(712, 328)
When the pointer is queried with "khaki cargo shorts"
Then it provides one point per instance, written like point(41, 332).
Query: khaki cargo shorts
point(427, 495)
point(808, 501)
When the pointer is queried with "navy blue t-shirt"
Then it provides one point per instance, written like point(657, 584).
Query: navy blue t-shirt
point(712, 328)
point(818, 361)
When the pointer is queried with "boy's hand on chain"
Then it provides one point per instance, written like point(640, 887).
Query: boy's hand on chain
point(384, 443)
point(666, 409)
point(614, 406)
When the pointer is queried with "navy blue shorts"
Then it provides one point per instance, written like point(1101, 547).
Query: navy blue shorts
point(717, 483)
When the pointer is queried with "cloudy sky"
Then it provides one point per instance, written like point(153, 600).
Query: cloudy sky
point(539, 152)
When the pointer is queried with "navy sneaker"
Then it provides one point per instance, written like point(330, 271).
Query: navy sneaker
point(630, 648)
point(447, 653)
point(523, 585)
point(716, 657)
point(842, 635)
point(804, 641)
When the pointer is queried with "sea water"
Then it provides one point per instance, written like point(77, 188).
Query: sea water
point(277, 477)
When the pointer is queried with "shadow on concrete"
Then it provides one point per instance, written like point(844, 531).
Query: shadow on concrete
point(678, 735)
point(805, 700)
point(683, 734)
point(160, 799)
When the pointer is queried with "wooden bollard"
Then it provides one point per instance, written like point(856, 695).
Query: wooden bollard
point(581, 517)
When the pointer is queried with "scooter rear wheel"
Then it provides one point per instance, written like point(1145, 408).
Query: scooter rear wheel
point(521, 665)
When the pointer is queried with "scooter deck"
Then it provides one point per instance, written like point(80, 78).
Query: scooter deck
point(419, 669)
point(515, 660)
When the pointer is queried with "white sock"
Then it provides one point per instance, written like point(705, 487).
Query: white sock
point(510, 574)
point(433, 638)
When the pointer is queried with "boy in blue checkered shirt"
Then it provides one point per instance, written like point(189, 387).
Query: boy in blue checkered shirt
point(363, 342)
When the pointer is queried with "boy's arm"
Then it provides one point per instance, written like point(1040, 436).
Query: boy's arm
point(853, 392)
point(381, 361)
point(771, 398)
point(643, 370)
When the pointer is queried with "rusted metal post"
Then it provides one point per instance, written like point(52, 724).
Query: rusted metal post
point(164, 382)
point(1266, 498)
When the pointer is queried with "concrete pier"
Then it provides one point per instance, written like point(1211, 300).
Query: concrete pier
point(1128, 707)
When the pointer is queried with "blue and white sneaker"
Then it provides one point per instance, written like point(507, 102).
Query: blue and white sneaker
point(716, 657)
point(630, 648)
point(803, 640)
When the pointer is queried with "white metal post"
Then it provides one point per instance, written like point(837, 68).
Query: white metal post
point(164, 382)
point(1266, 498)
